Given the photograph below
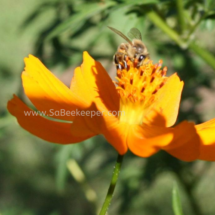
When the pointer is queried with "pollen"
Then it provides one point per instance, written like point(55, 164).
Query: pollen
point(138, 89)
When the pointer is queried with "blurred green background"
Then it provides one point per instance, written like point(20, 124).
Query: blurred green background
point(34, 178)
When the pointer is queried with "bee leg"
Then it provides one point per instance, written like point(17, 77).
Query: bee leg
point(119, 70)
point(125, 64)
point(116, 61)
point(119, 66)
point(126, 59)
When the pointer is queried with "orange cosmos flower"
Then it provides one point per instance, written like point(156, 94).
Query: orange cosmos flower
point(145, 99)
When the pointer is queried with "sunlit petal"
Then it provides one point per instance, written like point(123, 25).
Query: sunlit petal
point(47, 92)
point(167, 105)
point(99, 83)
point(207, 136)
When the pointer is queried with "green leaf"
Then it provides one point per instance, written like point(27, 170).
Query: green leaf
point(129, 3)
point(140, 2)
point(176, 201)
point(210, 4)
point(76, 21)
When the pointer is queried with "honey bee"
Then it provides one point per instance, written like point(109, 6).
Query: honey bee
point(134, 50)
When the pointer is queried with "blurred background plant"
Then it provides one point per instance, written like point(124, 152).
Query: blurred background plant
point(38, 178)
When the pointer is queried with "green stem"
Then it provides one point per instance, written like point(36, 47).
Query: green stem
point(180, 10)
point(112, 185)
point(155, 18)
point(203, 53)
point(192, 30)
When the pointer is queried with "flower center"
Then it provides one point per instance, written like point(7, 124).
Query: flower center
point(138, 88)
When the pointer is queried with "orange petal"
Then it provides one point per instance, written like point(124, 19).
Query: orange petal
point(97, 83)
point(106, 123)
point(139, 144)
point(79, 86)
point(88, 121)
point(167, 105)
point(52, 131)
point(47, 92)
point(116, 135)
point(186, 144)
point(205, 125)
point(146, 140)
point(206, 132)
point(93, 83)
point(80, 126)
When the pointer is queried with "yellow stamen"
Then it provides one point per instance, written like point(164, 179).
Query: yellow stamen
point(138, 87)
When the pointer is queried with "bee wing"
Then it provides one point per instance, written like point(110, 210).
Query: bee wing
point(134, 33)
point(120, 34)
